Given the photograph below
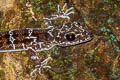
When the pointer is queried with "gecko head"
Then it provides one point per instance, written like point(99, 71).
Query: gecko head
point(72, 34)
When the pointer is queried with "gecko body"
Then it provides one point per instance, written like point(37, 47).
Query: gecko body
point(38, 39)
point(43, 39)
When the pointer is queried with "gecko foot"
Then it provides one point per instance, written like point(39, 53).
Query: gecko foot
point(65, 13)
point(41, 66)
point(61, 13)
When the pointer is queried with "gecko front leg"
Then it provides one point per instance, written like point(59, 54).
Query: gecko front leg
point(61, 13)
point(36, 60)
point(41, 66)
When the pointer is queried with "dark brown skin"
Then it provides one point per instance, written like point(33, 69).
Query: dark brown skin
point(20, 37)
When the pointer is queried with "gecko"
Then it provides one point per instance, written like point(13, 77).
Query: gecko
point(35, 40)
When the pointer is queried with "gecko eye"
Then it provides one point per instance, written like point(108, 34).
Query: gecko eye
point(70, 37)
